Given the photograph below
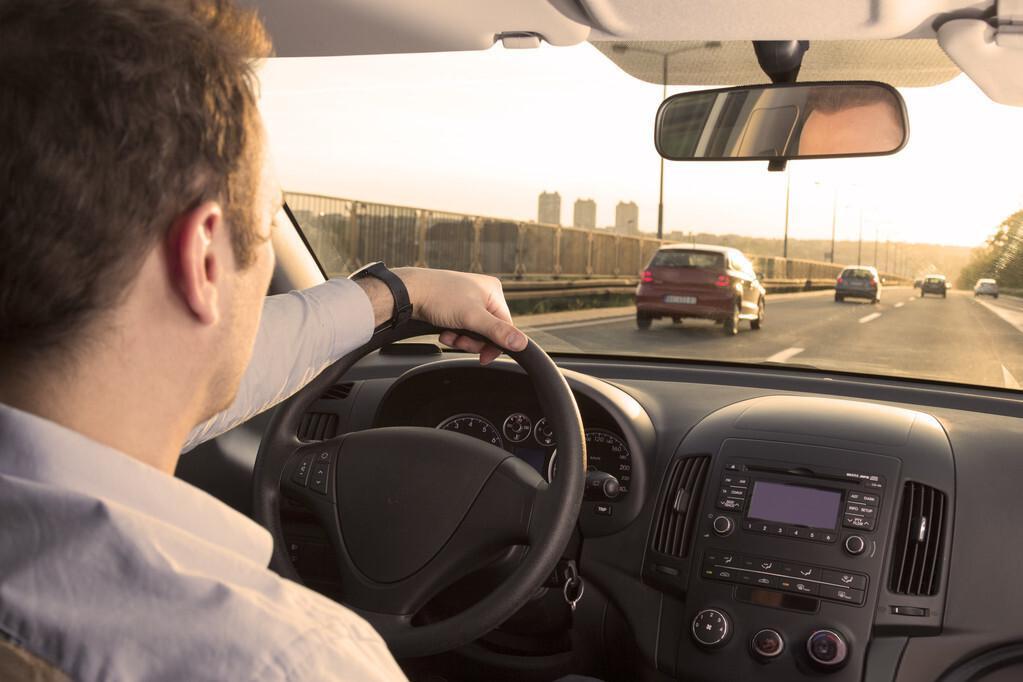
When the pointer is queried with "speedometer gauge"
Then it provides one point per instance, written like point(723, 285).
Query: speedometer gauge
point(473, 425)
point(605, 452)
point(608, 453)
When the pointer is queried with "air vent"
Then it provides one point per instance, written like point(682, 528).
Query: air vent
point(677, 512)
point(338, 392)
point(919, 538)
point(317, 426)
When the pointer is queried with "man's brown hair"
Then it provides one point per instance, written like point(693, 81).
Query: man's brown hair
point(116, 116)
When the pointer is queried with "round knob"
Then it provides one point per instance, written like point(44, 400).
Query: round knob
point(711, 628)
point(854, 544)
point(827, 648)
point(767, 644)
point(723, 525)
point(603, 484)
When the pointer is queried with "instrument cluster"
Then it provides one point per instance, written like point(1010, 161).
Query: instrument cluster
point(531, 438)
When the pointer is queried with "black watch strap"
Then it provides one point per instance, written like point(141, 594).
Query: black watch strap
point(402, 305)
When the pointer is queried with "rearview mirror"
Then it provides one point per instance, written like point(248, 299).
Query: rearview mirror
point(783, 121)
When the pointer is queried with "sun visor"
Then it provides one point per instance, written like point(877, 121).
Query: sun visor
point(991, 57)
point(323, 28)
point(909, 62)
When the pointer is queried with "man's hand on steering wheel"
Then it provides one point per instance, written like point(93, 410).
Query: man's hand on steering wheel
point(455, 300)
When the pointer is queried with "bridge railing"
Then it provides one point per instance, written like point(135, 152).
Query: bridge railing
point(346, 234)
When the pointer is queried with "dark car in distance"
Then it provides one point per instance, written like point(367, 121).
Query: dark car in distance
point(700, 281)
point(934, 284)
point(858, 281)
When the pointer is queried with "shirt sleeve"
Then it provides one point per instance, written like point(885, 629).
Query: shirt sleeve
point(300, 334)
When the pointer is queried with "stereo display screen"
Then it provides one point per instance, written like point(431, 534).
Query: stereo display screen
point(795, 504)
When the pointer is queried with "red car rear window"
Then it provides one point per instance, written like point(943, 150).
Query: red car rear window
point(689, 259)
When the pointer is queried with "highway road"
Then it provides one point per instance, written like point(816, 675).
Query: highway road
point(959, 338)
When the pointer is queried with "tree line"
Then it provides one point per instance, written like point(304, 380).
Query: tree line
point(1001, 258)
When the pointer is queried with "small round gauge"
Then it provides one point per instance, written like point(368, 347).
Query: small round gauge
point(543, 433)
point(473, 425)
point(605, 452)
point(517, 427)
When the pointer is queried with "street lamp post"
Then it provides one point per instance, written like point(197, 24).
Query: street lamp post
point(788, 189)
point(621, 48)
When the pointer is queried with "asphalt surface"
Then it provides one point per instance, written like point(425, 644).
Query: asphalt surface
point(959, 338)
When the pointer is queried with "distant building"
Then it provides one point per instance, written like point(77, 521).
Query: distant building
point(585, 213)
point(549, 208)
point(627, 218)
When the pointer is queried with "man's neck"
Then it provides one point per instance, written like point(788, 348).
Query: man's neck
point(112, 399)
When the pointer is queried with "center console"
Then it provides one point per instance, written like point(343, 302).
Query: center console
point(775, 540)
point(788, 557)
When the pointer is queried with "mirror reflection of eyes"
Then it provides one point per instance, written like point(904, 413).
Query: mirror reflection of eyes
point(782, 121)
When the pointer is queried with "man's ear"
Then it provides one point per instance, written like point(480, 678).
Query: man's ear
point(197, 265)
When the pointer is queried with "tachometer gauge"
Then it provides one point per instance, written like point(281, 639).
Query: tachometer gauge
point(606, 453)
point(543, 433)
point(517, 427)
point(475, 426)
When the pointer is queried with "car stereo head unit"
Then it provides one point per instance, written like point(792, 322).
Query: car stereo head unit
point(797, 502)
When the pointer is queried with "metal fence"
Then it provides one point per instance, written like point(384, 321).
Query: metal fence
point(346, 234)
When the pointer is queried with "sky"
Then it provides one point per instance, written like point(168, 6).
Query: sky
point(486, 132)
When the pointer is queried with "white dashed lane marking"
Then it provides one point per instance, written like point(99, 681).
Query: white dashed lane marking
point(869, 318)
point(785, 355)
point(899, 305)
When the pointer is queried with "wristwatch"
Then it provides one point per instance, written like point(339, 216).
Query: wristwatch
point(402, 305)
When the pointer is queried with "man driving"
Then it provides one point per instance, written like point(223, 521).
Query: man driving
point(137, 218)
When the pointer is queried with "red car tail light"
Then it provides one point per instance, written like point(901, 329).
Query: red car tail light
point(648, 276)
point(723, 281)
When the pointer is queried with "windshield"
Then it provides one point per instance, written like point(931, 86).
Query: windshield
point(538, 166)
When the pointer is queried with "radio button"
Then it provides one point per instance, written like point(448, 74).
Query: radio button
point(844, 594)
point(857, 582)
point(729, 504)
point(723, 526)
point(858, 522)
point(740, 481)
point(863, 498)
point(827, 537)
point(861, 509)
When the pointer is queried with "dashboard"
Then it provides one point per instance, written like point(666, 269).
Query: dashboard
point(767, 524)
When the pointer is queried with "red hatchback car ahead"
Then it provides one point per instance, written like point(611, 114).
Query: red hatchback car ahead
point(697, 280)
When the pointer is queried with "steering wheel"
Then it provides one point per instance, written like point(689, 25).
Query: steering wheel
point(410, 510)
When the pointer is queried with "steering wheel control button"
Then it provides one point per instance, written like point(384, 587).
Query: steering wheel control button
point(723, 526)
point(767, 644)
point(855, 544)
point(711, 628)
point(301, 475)
point(827, 648)
point(321, 473)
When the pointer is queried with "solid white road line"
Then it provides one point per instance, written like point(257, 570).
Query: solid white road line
point(785, 355)
point(1010, 315)
point(899, 305)
point(1008, 379)
point(869, 318)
